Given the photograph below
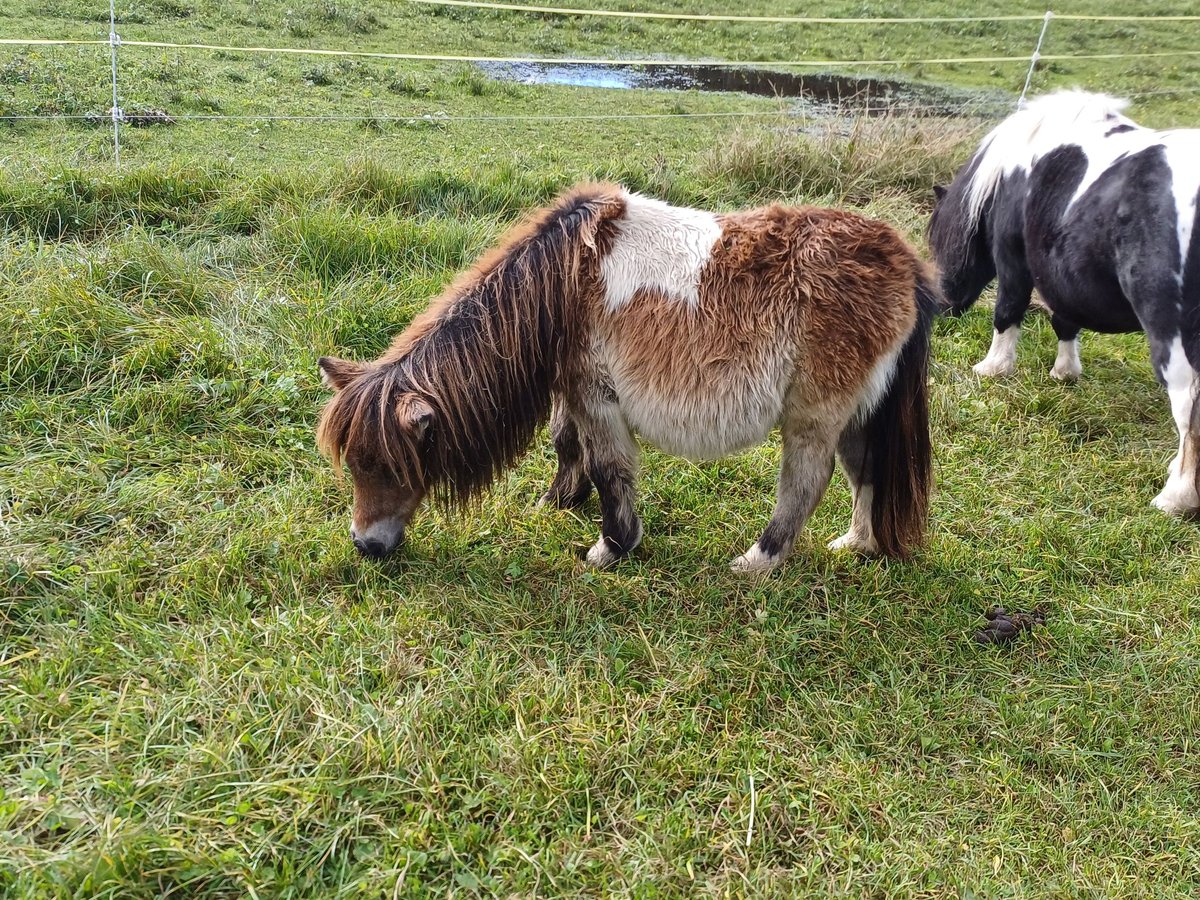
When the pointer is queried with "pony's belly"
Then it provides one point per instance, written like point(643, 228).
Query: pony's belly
point(701, 427)
point(1089, 299)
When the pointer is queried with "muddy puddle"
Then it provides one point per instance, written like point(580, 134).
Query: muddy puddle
point(840, 93)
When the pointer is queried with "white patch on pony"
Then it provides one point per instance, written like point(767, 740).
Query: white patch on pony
point(878, 381)
point(1067, 366)
point(1064, 117)
point(855, 543)
point(659, 247)
point(599, 555)
point(1179, 495)
point(860, 538)
point(755, 562)
point(1183, 157)
point(1103, 152)
point(1001, 358)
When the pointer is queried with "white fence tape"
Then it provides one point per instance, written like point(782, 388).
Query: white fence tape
point(791, 20)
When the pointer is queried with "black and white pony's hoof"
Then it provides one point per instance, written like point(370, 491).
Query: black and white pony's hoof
point(994, 368)
point(1066, 374)
point(1067, 366)
point(755, 561)
point(1001, 359)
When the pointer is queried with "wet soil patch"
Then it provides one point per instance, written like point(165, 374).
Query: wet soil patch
point(841, 93)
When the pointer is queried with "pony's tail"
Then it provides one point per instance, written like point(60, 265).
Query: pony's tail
point(897, 437)
point(1194, 435)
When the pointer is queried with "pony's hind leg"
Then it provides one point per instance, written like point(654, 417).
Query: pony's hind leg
point(804, 474)
point(1012, 302)
point(852, 452)
point(1180, 495)
point(571, 486)
point(610, 461)
point(1067, 366)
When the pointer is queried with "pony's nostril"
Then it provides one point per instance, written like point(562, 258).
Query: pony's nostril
point(373, 549)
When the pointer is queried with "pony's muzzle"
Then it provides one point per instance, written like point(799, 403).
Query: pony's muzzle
point(372, 549)
point(377, 542)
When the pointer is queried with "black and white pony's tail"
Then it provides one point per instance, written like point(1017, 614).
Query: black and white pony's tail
point(900, 452)
point(1194, 442)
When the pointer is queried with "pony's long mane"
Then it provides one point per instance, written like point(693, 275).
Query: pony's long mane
point(483, 356)
point(1063, 117)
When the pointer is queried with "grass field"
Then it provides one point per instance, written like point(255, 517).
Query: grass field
point(205, 693)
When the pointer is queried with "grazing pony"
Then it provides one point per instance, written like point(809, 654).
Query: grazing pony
point(700, 332)
point(1099, 214)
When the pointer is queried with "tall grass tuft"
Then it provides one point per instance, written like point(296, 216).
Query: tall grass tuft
point(841, 163)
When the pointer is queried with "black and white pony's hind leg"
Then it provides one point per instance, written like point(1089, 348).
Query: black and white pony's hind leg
point(1181, 494)
point(571, 486)
point(852, 453)
point(804, 473)
point(1012, 302)
point(1067, 366)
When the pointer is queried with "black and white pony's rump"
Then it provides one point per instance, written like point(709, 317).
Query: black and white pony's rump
point(1100, 215)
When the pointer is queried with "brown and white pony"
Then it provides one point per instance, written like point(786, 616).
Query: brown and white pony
point(697, 331)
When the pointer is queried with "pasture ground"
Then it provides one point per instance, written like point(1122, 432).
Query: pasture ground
point(205, 693)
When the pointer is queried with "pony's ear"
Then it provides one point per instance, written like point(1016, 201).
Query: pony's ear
point(939, 191)
point(414, 413)
point(337, 373)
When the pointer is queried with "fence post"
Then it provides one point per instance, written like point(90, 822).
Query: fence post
point(114, 41)
point(1033, 60)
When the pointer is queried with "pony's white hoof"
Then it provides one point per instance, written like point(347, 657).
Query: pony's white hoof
point(854, 544)
point(600, 556)
point(990, 368)
point(1177, 502)
point(1066, 373)
point(755, 562)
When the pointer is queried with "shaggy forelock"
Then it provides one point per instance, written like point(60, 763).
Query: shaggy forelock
point(361, 422)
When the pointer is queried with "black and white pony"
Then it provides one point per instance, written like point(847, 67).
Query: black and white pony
point(1099, 214)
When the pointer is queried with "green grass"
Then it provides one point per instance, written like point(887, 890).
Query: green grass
point(205, 693)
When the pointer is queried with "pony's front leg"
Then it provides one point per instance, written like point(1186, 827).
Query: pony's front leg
point(571, 486)
point(610, 460)
point(1012, 302)
point(804, 474)
point(1181, 494)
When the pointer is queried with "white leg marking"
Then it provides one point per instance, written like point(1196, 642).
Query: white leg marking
point(599, 556)
point(1002, 356)
point(755, 562)
point(878, 382)
point(860, 538)
point(1179, 495)
point(1067, 366)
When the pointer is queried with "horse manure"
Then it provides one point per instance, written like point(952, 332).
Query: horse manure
point(1003, 627)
